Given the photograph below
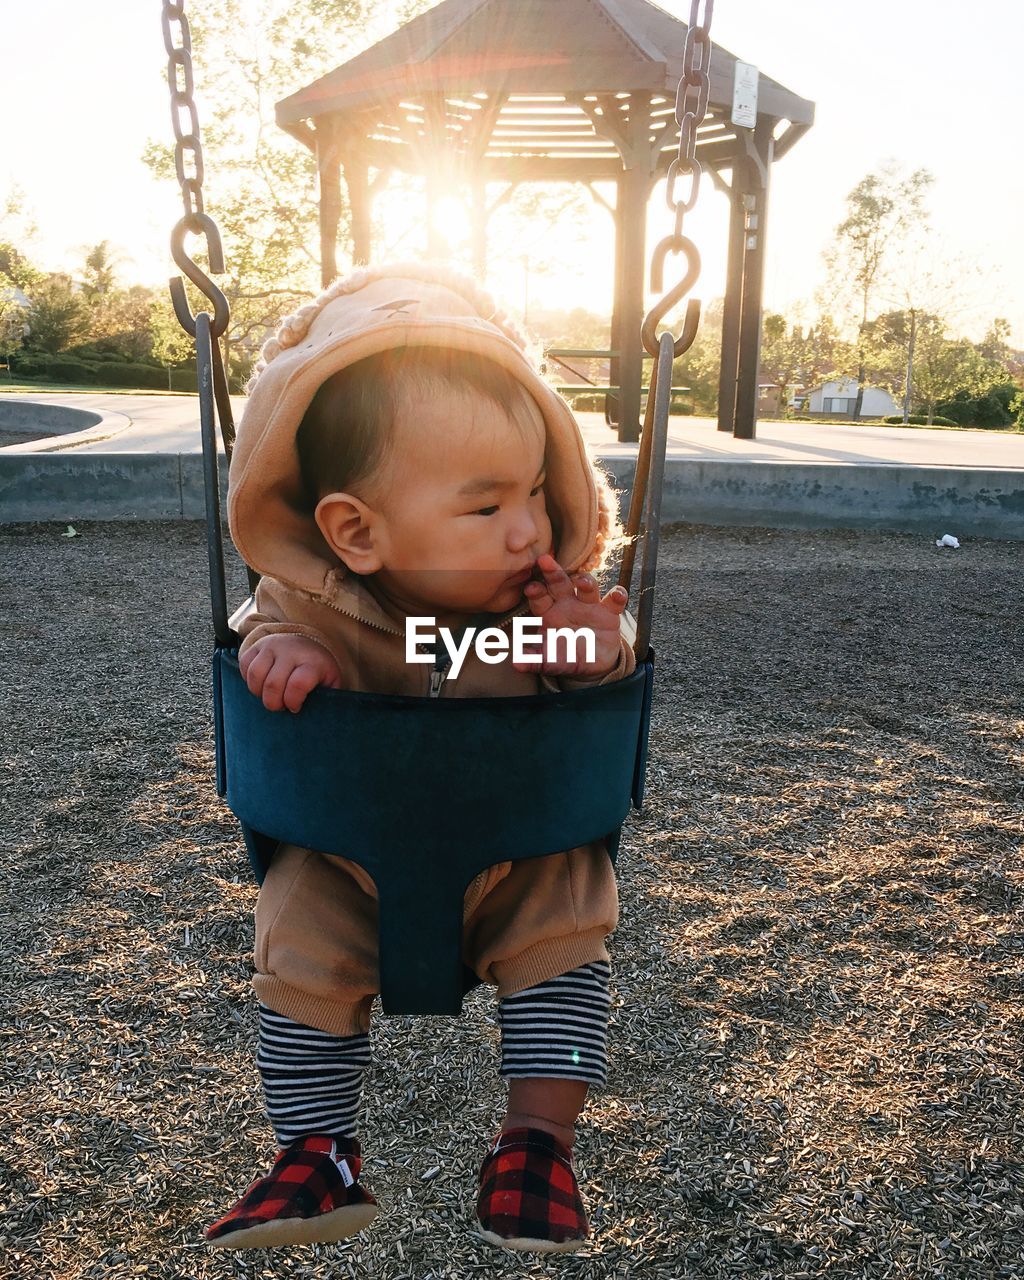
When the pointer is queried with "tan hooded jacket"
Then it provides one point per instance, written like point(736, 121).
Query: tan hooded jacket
point(307, 591)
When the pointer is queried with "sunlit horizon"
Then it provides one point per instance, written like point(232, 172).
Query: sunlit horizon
point(83, 178)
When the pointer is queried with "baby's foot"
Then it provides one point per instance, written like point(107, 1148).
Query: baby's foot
point(529, 1197)
point(311, 1196)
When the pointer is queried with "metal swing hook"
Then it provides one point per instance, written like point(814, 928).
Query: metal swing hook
point(199, 224)
point(691, 321)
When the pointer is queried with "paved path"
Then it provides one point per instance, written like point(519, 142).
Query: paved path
point(170, 424)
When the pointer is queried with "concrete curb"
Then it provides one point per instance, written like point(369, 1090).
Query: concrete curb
point(967, 502)
point(72, 426)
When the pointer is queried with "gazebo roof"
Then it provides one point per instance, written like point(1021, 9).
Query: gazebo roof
point(528, 81)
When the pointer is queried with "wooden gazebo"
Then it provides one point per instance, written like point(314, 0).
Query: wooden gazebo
point(477, 92)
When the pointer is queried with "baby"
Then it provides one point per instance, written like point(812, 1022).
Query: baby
point(400, 458)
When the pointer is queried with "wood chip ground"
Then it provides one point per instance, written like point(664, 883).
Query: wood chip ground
point(817, 1030)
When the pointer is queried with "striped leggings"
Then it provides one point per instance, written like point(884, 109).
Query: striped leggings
point(312, 1081)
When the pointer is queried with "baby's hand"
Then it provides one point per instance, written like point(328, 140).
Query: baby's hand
point(561, 601)
point(281, 669)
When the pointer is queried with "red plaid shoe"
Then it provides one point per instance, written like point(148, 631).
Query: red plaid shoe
point(529, 1197)
point(311, 1196)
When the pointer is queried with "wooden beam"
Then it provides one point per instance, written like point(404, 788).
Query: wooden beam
point(790, 137)
point(635, 191)
point(484, 126)
point(598, 198)
point(606, 123)
point(357, 179)
point(756, 206)
point(729, 366)
point(329, 179)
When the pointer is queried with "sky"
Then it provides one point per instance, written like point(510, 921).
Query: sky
point(929, 83)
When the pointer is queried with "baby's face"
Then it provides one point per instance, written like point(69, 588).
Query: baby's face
point(462, 518)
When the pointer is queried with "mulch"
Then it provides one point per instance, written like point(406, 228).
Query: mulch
point(22, 437)
point(817, 1031)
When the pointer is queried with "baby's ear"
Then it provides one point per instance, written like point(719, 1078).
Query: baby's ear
point(348, 527)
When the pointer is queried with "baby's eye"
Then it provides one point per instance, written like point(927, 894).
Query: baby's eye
point(485, 511)
point(538, 489)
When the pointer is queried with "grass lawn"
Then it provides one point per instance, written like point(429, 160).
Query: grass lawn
point(76, 388)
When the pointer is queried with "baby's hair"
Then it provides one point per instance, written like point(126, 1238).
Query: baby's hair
point(293, 329)
point(346, 433)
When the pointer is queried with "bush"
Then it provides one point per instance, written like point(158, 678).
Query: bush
point(183, 379)
point(146, 376)
point(987, 411)
point(919, 420)
point(587, 402)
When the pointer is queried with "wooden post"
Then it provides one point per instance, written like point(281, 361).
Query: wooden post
point(329, 175)
point(631, 217)
point(756, 205)
point(479, 218)
point(731, 309)
point(613, 403)
point(357, 179)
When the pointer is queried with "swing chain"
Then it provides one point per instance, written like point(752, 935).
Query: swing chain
point(187, 145)
point(691, 107)
point(188, 164)
point(692, 95)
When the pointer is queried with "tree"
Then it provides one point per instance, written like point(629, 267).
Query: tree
point(1017, 409)
point(100, 276)
point(699, 368)
point(781, 354)
point(941, 368)
point(882, 211)
point(120, 323)
point(58, 316)
point(13, 324)
point(944, 368)
point(995, 345)
point(171, 345)
point(16, 272)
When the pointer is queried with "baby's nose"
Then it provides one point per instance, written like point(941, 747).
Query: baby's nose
point(523, 532)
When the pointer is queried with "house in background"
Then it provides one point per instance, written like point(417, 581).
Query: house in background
point(838, 398)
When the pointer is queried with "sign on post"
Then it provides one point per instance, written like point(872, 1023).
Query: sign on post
point(744, 95)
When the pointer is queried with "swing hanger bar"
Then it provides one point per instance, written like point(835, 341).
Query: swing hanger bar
point(203, 224)
point(691, 322)
point(188, 164)
point(691, 107)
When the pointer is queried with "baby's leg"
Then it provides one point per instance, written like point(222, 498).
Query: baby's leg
point(312, 1081)
point(553, 1046)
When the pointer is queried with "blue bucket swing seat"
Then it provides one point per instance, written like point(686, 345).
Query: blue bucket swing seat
point(465, 782)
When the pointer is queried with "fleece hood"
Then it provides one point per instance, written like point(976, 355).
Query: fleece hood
point(271, 522)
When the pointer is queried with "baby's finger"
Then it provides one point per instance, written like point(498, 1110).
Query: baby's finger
point(257, 665)
point(556, 579)
point(538, 597)
point(587, 590)
point(274, 685)
point(300, 682)
point(616, 599)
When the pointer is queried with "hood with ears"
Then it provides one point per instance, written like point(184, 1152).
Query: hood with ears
point(271, 520)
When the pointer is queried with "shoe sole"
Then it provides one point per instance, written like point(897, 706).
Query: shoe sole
point(339, 1224)
point(523, 1244)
